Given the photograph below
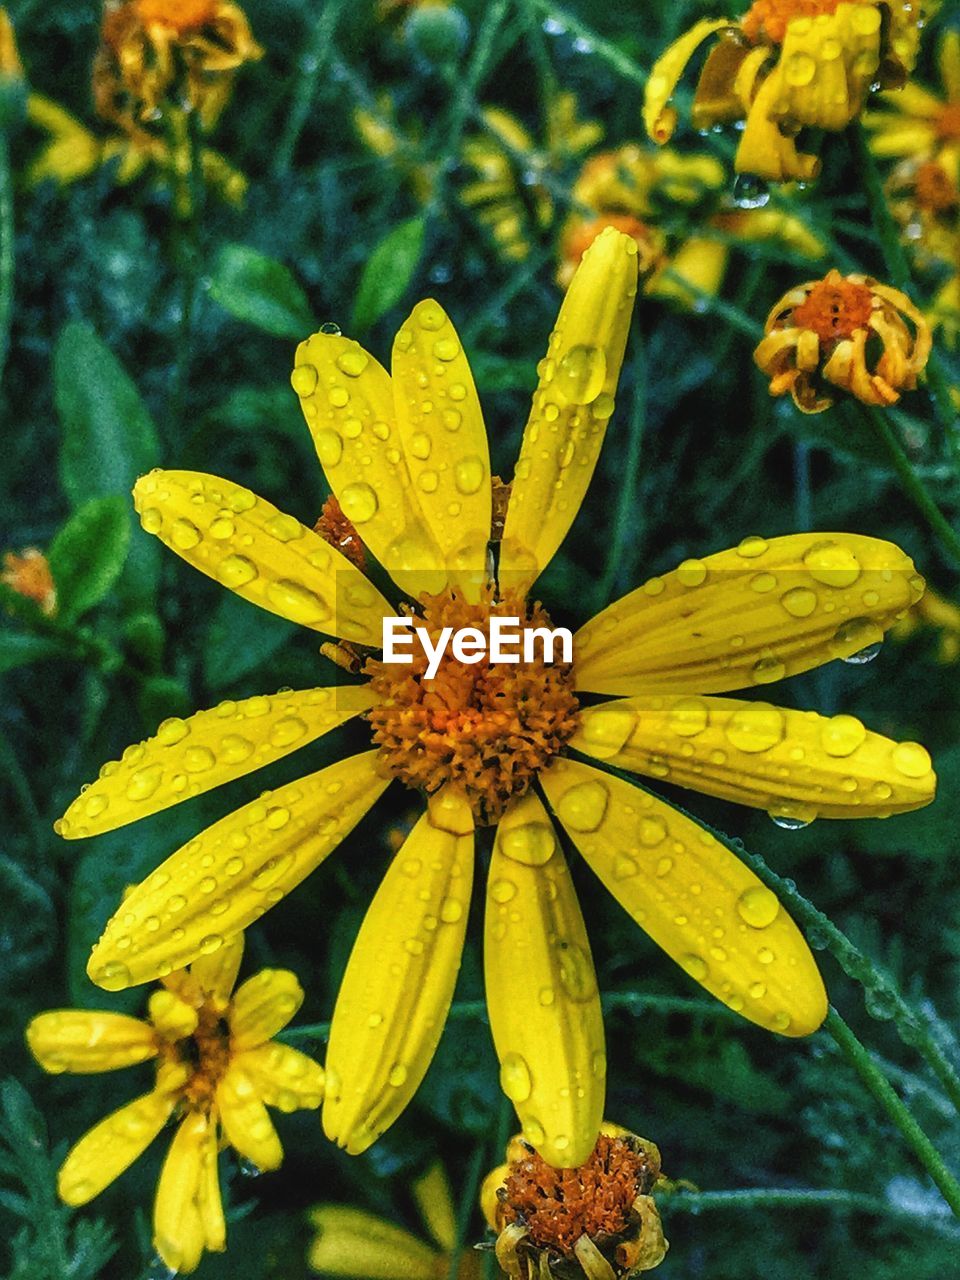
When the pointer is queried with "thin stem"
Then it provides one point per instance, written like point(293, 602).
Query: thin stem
point(471, 1188)
point(628, 520)
point(312, 62)
point(883, 1092)
point(604, 49)
point(6, 249)
point(914, 486)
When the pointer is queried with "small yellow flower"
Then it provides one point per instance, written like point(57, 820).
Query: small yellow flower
point(358, 1245)
point(818, 333)
point(157, 52)
point(784, 66)
point(217, 1070)
point(650, 194)
point(407, 457)
point(937, 614)
point(29, 575)
point(598, 1221)
point(917, 123)
point(380, 132)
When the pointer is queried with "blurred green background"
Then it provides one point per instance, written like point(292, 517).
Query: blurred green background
point(143, 337)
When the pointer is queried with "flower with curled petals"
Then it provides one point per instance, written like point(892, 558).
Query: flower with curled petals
point(598, 1221)
point(784, 66)
point(485, 744)
point(217, 1070)
point(818, 334)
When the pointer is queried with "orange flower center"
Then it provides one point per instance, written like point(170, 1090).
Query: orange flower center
point(835, 308)
point(180, 16)
point(933, 188)
point(558, 1206)
point(487, 727)
point(768, 19)
point(206, 1054)
point(948, 121)
point(334, 527)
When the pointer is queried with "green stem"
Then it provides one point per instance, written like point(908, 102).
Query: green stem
point(312, 63)
point(6, 249)
point(914, 486)
point(881, 1089)
point(604, 49)
point(628, 520)
point(467, 1206)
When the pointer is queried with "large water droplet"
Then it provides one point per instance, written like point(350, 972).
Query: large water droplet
point(515, 1079)
point(750, 192)
point(582, 807)
point(533, 843)
point(580, 375)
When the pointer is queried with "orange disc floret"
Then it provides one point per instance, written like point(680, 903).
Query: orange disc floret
point(947, 122)
point(334, 527)
point(934, 189)
point(558, 1206)
point(835, 308)
point(181, 16)
point(487, 727)
point(768, 19)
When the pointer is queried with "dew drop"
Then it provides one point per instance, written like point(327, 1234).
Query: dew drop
point(799, 602)
point(842, 735)
point(236, 571)
point(359, 503)
point(469, 474)
point(606, 729)
point(297, 603)
point(515, 1079)
point(577, 975)
point(911, 759)
point(582, 807)
point(755, 727)
point(832, 563)
point(695, 965)
point(581, 373)
point(532, 844)
point(758, 907)
point(304, 379)
point(144, 782)
point(353, 361)
point(184, 534)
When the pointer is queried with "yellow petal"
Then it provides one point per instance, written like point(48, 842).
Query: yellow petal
point(949, 60)
point(793, 764)
point(571, 407)
point(187, 757)
point(489, 1200)
point(818, 88)
point(86, 1041)
point(441, 426)
point(209, 1201)
point(659, 119)
point(262, 1006)
point(245, 1120)
point(266, 557)
point(748, 616)
point(357, 1244)
point(216, 973)
point(542, 990)
point(692, 896)
point(347, 400)
point(230, 875)
point(399, 980)
point(179, 1228)
point(698, 262)
point(435, 1202)
point(765, 150)
point(284, 1077)
point(172, 1016)
point(110, 1147)
point(894, 136)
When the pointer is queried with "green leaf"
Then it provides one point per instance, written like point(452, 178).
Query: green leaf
point(501, 373)
point(260, 291)
point(18, 648)
point(88, 554)
point(240, 638)
point(388, 272)
point(109, 440)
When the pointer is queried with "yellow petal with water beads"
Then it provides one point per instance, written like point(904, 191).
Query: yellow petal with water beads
point(659, 118)
point(232, 873)
point(245, 1119)
point(400, 977)
point(262, 1006)
point(692, 896)
point(179, 1223)
point(265, 556)
point(347, 399)
point(284, 1077)
point(797, 765)
point(826, 67)
point(445, 442)
point(187, 757)
point(216, 973)
point(361, 1246)
point(571, 407)
point(86, 1041)
point(746, 617)
point(542, 990)
point(110, 1147)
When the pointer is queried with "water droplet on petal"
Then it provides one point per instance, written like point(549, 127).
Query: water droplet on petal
point(582, 807)
point(515, 1079)
point(533, 843)
point(758, 907)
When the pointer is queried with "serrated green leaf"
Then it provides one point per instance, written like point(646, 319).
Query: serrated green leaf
point(88, 554)
point(260, 291)
point(388, 272)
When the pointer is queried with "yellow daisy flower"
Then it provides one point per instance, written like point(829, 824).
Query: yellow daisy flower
point(786, 65)
point(155, 52)
point(818, 333)
point(28, 573)
point(407, 458)
point(918, 123)
point(358, 1245)
point(599, 1220)
point(641, 192)
point(218, 1069)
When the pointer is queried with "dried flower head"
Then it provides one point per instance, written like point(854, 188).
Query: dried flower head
point(846, 331)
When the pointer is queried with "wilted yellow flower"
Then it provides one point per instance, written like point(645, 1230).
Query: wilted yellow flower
point(507, 191)
point(935, 613)
point(155, 53)
point(28, 573)
point(649, 194)
point(217, 1070)
point(818, 332)
point(358, 1245)
point(786, 65)
point(598, 1221)
point(407, 458)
